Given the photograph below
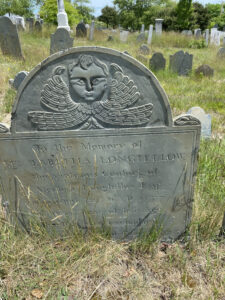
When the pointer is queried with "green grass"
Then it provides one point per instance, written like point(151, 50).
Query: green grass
point(78, 266)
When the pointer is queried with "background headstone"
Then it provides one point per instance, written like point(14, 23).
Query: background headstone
point(141, 37)
point(110, 38)
point(38, 26)
point(62, 17)
point(150, 34)
point(205, 70)
point(142, 28)
point(181, 63)
point(19, 78)
point(157, 62)
point(221, 52)
point(198, 33)
point(92, 29)
point(207, 37)
point(81, 30)
point(60, 40)
point(124, 36)
point(204, 118)
point(158, 26)
point(9, 39)
point(144, 49)
point(215, 37)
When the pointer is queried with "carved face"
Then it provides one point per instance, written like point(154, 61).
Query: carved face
point(89, 85)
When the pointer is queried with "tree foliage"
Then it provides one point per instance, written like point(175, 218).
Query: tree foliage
point(17, 7)
point(109, 16)
point(49, 10)
point(184, 12)
point(85, 11)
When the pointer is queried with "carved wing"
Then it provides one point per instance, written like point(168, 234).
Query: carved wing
point(122, 95)
point(123, 92)
point(57, 121)
point(135, 116)
point(55, 94)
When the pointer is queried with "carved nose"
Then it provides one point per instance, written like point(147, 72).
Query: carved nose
point(88, 85)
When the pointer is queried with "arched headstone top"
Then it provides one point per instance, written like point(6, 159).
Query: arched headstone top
point(88, 88)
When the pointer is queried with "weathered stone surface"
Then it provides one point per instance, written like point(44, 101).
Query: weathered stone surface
point(142, 59)
point(157, 62)
point(81, 30)
point(92, 29)
point(150, 32)
point(126, 52)
point(62, 17)
point(80, 148)
point(181, 63)
point(204, 118)
point(30, 22)
point(198, 33)
point(221, 52)
point(205, 70)
point(141, 37)
point(144, 49)
point(158, 26)
point(19, 78)
point(9, 39)
point(60, 40)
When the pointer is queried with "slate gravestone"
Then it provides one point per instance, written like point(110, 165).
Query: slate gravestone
point(157, 62)
point(19, 78)
point(144, 49)
point(204, 118)
point(60, 40)
point(221, 52)
point(181, 63)
point(204, 70)
point(110, 38)
point(38, 26)
point(30, 22)
point(81, 30)
point(9, 39)
point(83, 150)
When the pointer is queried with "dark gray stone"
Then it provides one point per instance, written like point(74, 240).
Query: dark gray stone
point(157, 62)
point(142, 59)
point(141, 37)
point(9, 39)
point(19, 78)
point(221, 52)
point(144, 49)
point(60, 40)
point(30, 22)
point(81, 30)
point(92, 141)
point(110, 38)
point(181, 63)
point(38, 26)
point(205, 70)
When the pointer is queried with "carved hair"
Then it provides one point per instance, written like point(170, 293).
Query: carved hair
point(85, 61)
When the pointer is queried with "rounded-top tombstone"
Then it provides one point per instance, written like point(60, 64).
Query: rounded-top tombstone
point(81, 30)
point(94, 143)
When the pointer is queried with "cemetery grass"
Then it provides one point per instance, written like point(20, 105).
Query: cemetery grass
point(77, 266)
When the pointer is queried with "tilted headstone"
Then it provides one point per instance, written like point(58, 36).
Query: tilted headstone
point(144, 49)
point(157, 62)
point(38, 26)
point(83, 151)
point(124, 36)
point(141, 37)
point(181, 63)
point(204, 118)
point(60, 40)
point(205, 70)
point(92, 29)
point(221, 52)
point(81, 30)
point(158, 26)
point(19, 78)
point(150, 34)
point(9, 39)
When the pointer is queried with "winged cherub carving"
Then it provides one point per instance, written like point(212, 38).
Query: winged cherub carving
point(102, 98)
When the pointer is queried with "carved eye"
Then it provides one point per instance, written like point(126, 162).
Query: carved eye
point(97, 81)
point(78, 81)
